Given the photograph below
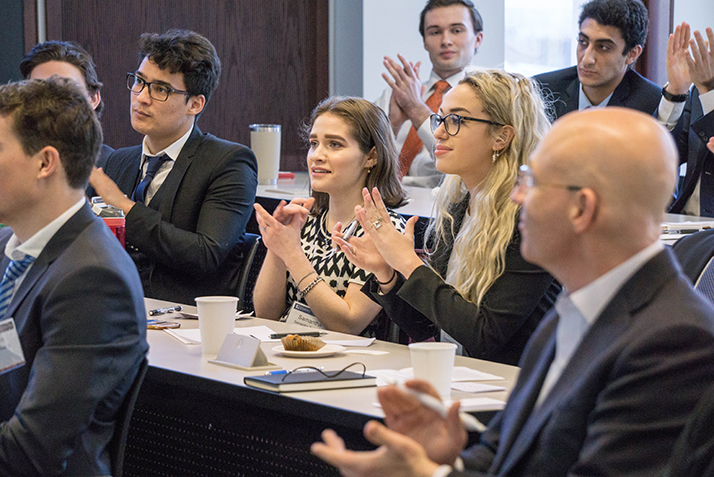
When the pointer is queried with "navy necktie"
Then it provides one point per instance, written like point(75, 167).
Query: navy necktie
point(7, 286)
point(155, 163)
point(705, 284)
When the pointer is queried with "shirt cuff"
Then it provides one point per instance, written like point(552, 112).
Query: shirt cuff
point(426, 136)
point(707, 100)
point(669, 113)
point(445, 470)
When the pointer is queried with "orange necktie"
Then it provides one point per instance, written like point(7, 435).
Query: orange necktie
point(412, 145)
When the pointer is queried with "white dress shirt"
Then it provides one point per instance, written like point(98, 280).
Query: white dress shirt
point(15, 250)
point(422, 172)
point(172, 151)
point(578, 311)
point(584, 102)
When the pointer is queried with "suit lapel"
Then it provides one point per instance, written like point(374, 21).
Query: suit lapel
point(622, 91)
point(167, 192)
point(639, 290)
point(511, 445)
point(54, 248)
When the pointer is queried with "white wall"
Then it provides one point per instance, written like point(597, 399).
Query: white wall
point(698, 13)
point(392, 26)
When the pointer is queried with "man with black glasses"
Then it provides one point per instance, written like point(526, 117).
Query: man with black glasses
point(187, 196)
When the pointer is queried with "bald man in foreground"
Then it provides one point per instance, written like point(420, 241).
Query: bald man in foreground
point(608, 379)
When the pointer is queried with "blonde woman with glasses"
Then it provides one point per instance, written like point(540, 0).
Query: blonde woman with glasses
point(476, 287)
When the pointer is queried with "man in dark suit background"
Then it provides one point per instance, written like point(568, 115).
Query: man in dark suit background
point(612, 36)
point(186, 195)
point(68, 59)
point(608, 379)
point(68, 286)
point(691, 116)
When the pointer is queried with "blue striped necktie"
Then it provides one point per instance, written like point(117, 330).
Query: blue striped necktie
point(155, 163)
point(705, 284)
point(7, 286)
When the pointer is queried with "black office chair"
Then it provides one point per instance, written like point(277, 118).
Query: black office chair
point(118, 442)
point(251, 242)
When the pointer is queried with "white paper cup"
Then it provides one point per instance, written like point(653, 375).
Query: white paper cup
point(434, 362)
point(265, 143)
point(216, 319)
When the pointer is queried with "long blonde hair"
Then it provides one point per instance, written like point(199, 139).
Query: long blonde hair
point(510, 99)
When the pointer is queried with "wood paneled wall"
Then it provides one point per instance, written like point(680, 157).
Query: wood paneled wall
point(274, 55)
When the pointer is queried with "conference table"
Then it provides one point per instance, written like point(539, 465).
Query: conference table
point(193, 417)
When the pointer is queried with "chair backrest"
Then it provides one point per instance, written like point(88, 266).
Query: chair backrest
point(251, 243)
point(118, 442)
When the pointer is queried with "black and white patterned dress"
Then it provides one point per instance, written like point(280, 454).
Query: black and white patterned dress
point(330, 263)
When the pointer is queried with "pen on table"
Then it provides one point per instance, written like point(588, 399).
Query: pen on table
point(277, 336)
point(469, 422)
point(299, 370)
point(163, 311)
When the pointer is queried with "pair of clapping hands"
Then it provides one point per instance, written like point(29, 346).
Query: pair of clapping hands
point(690, 60)
point(382, 250)
point(416, 442)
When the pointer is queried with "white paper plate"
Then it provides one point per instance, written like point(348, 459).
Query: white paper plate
point(327, 350)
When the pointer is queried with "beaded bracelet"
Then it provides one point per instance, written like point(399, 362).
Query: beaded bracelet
point(306, 290)
point(297, 285)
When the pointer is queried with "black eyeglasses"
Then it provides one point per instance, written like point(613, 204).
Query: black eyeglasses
point(157, 91)
point(527, 180)
point(452, 122)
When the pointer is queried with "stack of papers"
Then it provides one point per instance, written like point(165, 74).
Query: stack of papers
point(460, 378)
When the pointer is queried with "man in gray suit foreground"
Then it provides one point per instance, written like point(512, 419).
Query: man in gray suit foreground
point(71, 301)
point(609, 378)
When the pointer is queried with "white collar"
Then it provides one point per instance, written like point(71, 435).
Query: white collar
point(172, 151)
point(452, 80)
point(591, 299)
point(584, 102)
point(16, 250)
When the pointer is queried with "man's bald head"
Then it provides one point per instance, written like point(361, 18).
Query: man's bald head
point(601, 181)
point(625, 156)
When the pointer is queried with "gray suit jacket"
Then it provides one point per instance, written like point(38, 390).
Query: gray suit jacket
point(80, 316)
point(625, 395)
point(634, 91)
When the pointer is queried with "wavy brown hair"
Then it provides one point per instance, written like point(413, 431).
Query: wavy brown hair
point(370, 127)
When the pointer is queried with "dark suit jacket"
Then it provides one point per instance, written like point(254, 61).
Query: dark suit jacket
point(693, 454)
point(694, 252)
point(634, 91)
point(104, 154)
point(80, 316)
point(692, 133)
point(498, 330)
point(188, 241)
point(625, 395)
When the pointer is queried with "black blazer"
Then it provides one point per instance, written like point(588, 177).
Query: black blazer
point(80, 316)
point(498, 330)
point(188, 241)
point(691, 134)
point(562, 87)
point(624, 396)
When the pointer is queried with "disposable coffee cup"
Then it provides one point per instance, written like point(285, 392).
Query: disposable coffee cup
point(216, 319)
point(265, 143)
point(434, 362)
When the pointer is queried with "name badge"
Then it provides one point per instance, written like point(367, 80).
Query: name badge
point(11, 355)
point(301, 314)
